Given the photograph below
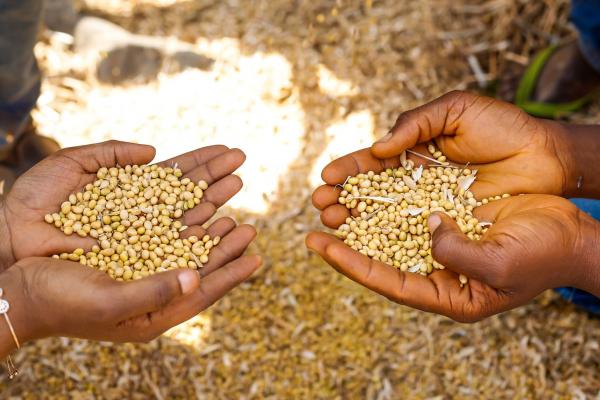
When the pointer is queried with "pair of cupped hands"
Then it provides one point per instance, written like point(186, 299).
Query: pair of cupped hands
point(537, 241)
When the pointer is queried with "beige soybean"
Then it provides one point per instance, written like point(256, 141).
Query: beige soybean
point(133, 214)
point(392, 208)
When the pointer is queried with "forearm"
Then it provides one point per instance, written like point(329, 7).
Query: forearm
point(582, 161)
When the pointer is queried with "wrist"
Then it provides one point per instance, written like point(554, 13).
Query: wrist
point(22, 318)
point(578, 150)
point(588, 278)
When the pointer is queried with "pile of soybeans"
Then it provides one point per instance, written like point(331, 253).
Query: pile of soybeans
point(390, 210)
point(134, 212)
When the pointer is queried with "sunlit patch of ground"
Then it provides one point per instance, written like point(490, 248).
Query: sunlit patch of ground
point(193, 332)
point(353, 133)
point(243, 101)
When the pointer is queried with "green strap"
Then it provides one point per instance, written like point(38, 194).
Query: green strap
point(527, 86)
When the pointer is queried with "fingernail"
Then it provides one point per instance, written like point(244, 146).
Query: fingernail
point(433, 222)
point(385, 138)
point(188, 280)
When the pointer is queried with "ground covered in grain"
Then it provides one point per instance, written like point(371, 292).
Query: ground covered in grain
point(295, 84)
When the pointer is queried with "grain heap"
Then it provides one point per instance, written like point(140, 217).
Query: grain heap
point(390, 210)
point(133, 212)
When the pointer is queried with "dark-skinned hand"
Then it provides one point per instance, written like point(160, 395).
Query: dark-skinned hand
point(512, 151)
point(50, 297)
point(43, 188)
point(537, 242)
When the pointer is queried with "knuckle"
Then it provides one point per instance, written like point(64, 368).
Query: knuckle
point(404, 117)
point(399, 294)
point(469, 314)
point(457, 94)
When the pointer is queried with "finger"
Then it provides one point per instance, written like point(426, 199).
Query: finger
point(215, 196)
point(490, 175)
point(221, 191)
point(199, 214)
point(216, 285)
point(334, 216)
point(130, 299)
point(212, 288)
point(337, 171)
point(190, 160)
point(218, 167)
point(484, 188)
point(232, 246)
point(220, 227)
point(57, 242)
point(108, 154)
point(325, 196)
point(454, 250)
point(489, 212)
point(413, 290)
point(441, 116)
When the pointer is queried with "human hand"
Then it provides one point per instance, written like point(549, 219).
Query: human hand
point(537, 242)
point(51, 297)
point(44, 187)
point(512, 151)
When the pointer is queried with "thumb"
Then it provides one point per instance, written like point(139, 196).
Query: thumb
point(155, 292)
point(454, 250)
point(423, 124)
point(109, 154)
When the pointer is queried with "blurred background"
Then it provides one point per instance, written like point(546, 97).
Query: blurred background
point(296, 84)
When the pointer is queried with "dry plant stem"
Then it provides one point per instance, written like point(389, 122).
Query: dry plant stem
point(436, 162)
point(579, 151)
